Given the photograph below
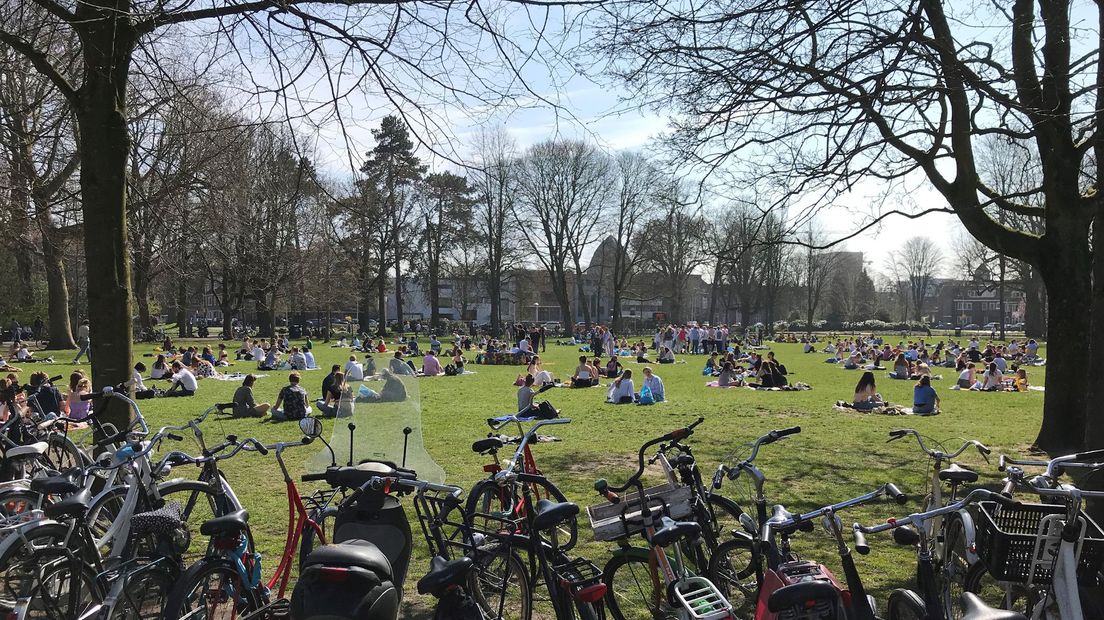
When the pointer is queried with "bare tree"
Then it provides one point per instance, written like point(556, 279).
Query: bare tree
point(636, 188)
point(814, 273)
point(919, 260)
point(893, 91)
point(496, 180)
point(421, 56)
point(672, 245)
point(561, 186)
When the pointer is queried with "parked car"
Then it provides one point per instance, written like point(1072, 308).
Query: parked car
point(971, 326)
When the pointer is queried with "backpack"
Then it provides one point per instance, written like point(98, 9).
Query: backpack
point(450, 370)
point(545, 410)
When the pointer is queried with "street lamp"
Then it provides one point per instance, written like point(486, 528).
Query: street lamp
point(536, 312)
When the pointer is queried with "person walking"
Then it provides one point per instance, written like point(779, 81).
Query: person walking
point(83, 343)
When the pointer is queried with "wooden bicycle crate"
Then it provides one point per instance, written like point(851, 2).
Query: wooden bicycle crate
point(624, 519)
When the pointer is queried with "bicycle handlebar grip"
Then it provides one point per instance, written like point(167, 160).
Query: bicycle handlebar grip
point(984, 449)
point(602, 487)
point(1009, 487)
point(174, 437)
point(313, 477)
point(793, 430)
point(718, 478)
point(896, 434)
point(112, 439)
point(1001, 465)
point(861, 546)
point(1006, 500)
point(765, 534)
point(260, 448)
point(91, 395)
point(892, 491)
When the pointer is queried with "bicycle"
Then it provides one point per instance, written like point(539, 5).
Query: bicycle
point(928, 600)
point(1045, 558)
point(950, 534)
point(489, 497)
point(230, 571)
point(652, 580)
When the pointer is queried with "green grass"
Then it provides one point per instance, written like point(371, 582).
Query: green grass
point(837, 455)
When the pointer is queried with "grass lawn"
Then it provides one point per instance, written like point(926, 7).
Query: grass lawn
point(837, 455)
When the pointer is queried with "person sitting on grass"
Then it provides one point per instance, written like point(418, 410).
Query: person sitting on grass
point(525, 395)
point(585, 374)
point(23, 355)
point(966, 377)
point(78, 409)
point(621, 391)
point(297, 361)
point(866, 393)
point(901, 368)
point(729, 377)
point(184, 383)
point(431, 366)
point(769, 376)
point(294, 400)
point(613, 367)
point(370, 366)
point(666, 356)
point(542, 379)
point(398, 366)
point(338, 401)
point(924, 398)
point(1019, 381)
point(270, 360)
point(353, 370)
point(245, 406)
point(991, 380)
point(654, 384)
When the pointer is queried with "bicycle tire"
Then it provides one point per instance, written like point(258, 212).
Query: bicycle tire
point(183, 596)
point(62, 454)
point(721, 528)
point(1010, 596)
point(734, 569)
point(638, 596)
point(486, 580)
point(905, 605)
point(487, 497)
point(16, 549)
point(146, 595)
point(49, 572)
point(954, 566)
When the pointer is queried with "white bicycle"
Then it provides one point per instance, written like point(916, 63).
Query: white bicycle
point(1043, 559)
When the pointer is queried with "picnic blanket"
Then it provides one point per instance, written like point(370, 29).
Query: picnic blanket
point(233, 376)
point(888, 409)
point(796, 387)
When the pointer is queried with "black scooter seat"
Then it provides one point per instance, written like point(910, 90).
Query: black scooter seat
point(490, 444)
point(958, 474)
point(76, 505)
point(234, 523)
point(800, 594)
point(974, 609)
point(550, 514)
point(674, 531)
point(444, 573)
point(61, 484)
point(353, 552)
point(356, 475)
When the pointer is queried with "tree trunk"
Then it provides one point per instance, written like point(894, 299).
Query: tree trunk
point(1067, 349)
point(494, 289)
point(108, 41)
point(585, 303)
point(1034, 305)
point(140, 280)
point(1094, 421)
point(20, 180)
point(398, 294)
point(382, 300)
point(61, 333)
point(266, 320)
point(227, 322)
point(182, 307)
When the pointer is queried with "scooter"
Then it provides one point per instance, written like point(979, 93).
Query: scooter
point(360, 575)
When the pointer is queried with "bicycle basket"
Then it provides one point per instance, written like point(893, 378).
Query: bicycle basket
point(621, 520)
point(1007, 539)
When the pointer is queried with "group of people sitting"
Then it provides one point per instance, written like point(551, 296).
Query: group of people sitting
point(991, 378)
point(293, 401)
point(43, 397)
point(925, 401)
point(748, 369)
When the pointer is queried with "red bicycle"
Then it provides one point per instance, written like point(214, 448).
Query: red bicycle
point(491, 497)
point(227, 581)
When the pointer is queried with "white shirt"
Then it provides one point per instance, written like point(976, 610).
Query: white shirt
point(655, 384)
point(354, 371)
point(157, 373)
point(1002, 365)
point(136, 381)
point(258, 354)
point(543, 378)
point(626, 389)
point(992, 379)
point(523, 346)
point(186, 380)
point(966, 375)
point(23, 354)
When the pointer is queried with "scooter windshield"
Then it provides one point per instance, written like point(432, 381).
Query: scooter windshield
point(379, 418)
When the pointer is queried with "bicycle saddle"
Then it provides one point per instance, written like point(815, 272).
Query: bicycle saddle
point(232, 523)
point(73, 506)
point(550, 514)
point(352, 552)
point(31, 451)
point(973, 608)
point(61, 484)
point(955, 473)
point(674, 531)
point(489, 444)
point(444, 573)
point(801, 594)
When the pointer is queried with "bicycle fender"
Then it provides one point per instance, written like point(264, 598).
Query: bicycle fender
point(971, 535)
point(636, 553)
point(12, 536)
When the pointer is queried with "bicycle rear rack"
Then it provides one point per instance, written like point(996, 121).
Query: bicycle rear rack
point(702, 599)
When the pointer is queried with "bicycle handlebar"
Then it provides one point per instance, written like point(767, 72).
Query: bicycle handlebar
point(916, 519)
point(767, 531)
point(504, 475)
point(610, 493)
point(984, 450)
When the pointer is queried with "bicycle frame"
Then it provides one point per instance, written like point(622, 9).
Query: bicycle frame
point(298, 520)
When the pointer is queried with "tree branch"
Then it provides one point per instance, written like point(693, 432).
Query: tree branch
point(41, 63)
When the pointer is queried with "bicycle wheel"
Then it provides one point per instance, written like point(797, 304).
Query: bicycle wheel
point(16, 549)
point(954, 567)
point(733, 569)
point(210, 589)
point(488, 498)
point(906, 605)
point(636, 590)
point(146, 595)
point(500, 586)
point(999, 594)
point(53, 586)
point(62, 454)
point(725, 517)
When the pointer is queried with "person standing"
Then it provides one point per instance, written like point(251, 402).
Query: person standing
point(39, 329)
point(15, 328)
point(83, 342)
point(543, 336)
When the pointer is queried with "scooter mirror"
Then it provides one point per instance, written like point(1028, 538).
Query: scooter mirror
point(311, 427)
